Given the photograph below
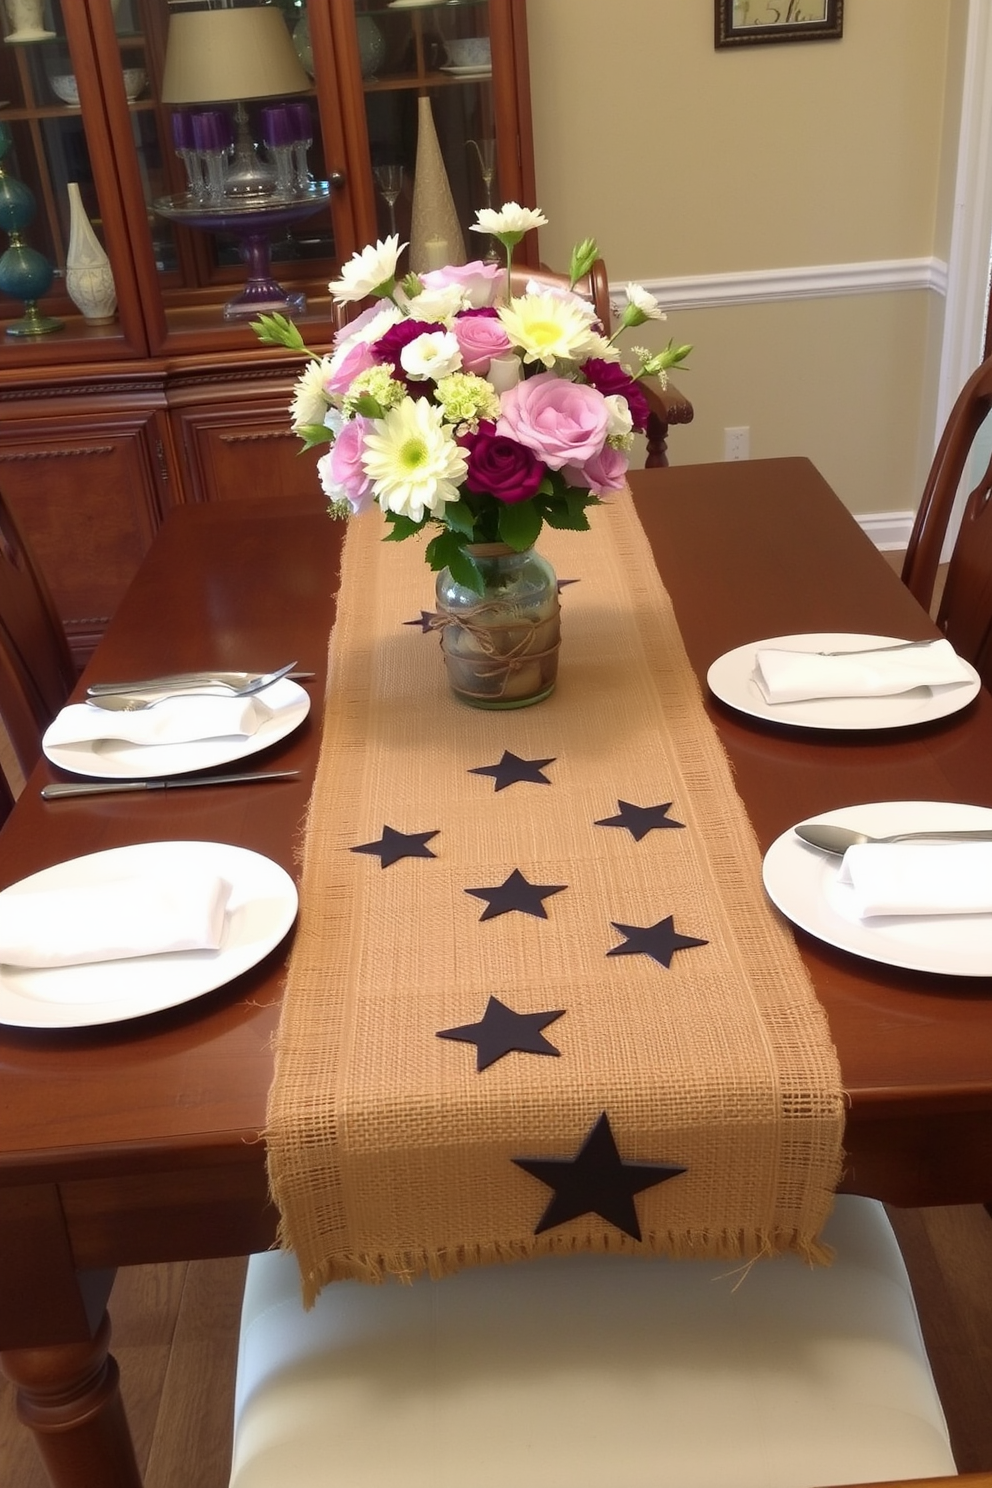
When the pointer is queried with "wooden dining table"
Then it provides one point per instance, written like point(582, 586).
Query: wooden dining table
point(140, 1141)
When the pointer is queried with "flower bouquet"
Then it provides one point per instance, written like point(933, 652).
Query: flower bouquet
point(476, 417)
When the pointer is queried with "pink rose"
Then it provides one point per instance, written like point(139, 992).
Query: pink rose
point(564, 423)
point(341, 472)
point(480, 338)
point(480, 281)
point(604, 473)
point(357, 358)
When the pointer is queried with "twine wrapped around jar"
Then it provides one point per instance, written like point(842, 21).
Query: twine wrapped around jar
point(501, 648)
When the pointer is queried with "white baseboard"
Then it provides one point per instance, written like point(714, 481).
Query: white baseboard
point(889, 531)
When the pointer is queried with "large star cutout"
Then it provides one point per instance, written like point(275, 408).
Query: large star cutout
point(502, 1031)
point(516, 893)
point(659, 941)
point(512, 770)
point(640, 820)
point(596, 1181)
point(563, 583)
point(428, 621)
point(393, 845)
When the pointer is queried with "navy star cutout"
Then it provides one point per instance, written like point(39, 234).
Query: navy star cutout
point(427, 622)
point(563, 583)
point(393, 845)
point(512, 770)
point(640, 820)
point(596, 1181)
point(502, 1031)
point(659, 941)
point(516, 893)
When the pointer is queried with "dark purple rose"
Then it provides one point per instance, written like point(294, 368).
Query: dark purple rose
point(608, 378)
point(488, 310)
point(388, 347)
point(500, 467)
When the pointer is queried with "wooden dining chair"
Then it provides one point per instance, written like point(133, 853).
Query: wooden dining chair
point(965, 610)
point(36, 667)
point(667, 405)
point(6, 799)
point(589, 1370)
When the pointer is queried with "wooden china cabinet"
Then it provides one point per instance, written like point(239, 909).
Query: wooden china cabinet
point(104, 426)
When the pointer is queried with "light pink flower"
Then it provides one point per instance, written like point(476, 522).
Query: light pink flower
point(357, 358)
point(563, 422)
point(479, 281)
point(342, 474)
point(481, 337)
point(604, 473)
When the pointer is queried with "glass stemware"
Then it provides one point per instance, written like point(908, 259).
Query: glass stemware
point(389, 179)
point(485, 149)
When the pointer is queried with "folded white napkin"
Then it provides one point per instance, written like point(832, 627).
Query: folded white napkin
point(176, 720)
point(142, 916)
point(794, 676)
point(919, 878)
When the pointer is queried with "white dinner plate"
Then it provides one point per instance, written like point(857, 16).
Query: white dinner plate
point(803, 882)
point(260, 911)
point(474, 71)
point(113, 759)
point(731, 679)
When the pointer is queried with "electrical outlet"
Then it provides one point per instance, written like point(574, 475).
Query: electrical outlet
point(737, 444)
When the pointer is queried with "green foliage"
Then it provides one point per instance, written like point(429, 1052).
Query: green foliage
point(446, 551)
point(401, 527)
point(313, 435)
point(519, 525)
point(276, 330)
point(368, 406)
point(460, 517)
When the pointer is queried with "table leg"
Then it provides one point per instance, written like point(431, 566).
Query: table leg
point(69, 1396)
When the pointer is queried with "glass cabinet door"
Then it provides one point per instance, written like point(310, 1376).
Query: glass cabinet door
point(53, 148)
point(225, 164)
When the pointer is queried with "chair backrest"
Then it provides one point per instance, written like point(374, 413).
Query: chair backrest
point(36, 667)
point(594, 287)
point(6, 799)
point(965, 611)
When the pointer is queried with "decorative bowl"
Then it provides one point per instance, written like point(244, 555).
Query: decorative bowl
point(469, 51)
point(135, 79)
point(65, 88)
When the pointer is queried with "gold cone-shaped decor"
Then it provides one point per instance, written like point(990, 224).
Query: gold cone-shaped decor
point(435, 233)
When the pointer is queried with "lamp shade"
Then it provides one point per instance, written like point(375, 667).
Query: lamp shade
point(213, 56)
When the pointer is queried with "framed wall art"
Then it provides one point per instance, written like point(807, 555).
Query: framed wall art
point(749, 22)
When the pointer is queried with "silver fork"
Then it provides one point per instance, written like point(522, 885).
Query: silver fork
point(120, 697)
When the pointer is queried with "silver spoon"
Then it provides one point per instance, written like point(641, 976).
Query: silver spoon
point(126, 702)
point(838, 839)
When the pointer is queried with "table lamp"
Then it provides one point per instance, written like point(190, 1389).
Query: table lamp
point(215, 57)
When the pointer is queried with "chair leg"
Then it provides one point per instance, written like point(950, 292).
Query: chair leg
point(657, 442)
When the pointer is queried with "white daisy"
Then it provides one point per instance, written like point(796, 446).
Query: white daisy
point(511, 221)
point(310, 402)
point(547, 328)
point(432, 355)
point(373, 271)
point(413, 461)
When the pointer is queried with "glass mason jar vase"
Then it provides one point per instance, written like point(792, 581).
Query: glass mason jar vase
point(501, 648)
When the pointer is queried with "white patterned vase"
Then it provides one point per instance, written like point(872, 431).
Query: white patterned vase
point(89, 280)
point(27, 21)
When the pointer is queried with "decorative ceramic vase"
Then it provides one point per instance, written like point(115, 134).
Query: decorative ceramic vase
point(25, 274)
point(435, 233)
point(89, 279)
point(371, 45)
point(27, 21)
point(501, 648)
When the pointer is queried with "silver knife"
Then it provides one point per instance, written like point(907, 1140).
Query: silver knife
point(101, 787)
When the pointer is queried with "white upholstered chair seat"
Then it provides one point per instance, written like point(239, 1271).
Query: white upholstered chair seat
point(594, 1372)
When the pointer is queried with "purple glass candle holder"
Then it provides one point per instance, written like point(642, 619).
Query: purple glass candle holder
point(277, 137)
point(301, 124)
point(212, 138)
point(185, 144)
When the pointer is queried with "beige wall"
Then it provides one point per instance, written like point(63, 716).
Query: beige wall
point(685, 160)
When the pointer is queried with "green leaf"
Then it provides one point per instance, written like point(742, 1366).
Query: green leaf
point(519, 525)
point(401, 527)
point(584, 255)
point(568, 510)
point(277, 330)
point(446, 551)
point(460, 518)
point(314, 434)
point(368, 406)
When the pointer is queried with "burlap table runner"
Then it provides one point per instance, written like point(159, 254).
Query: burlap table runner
point(388, 1150)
